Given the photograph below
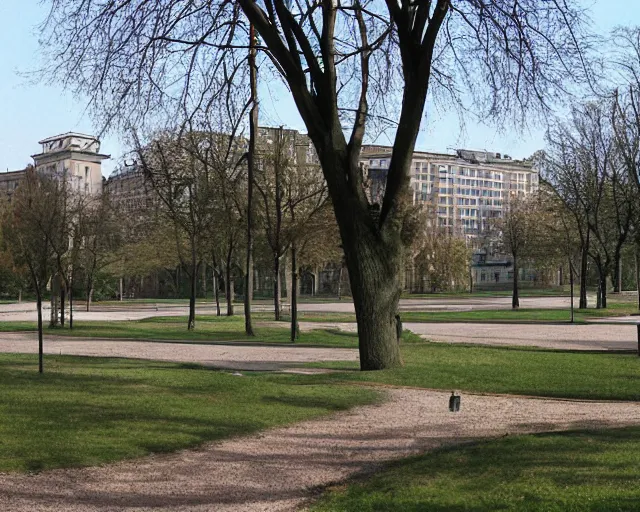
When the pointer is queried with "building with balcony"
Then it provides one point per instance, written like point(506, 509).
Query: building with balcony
point(466, 189)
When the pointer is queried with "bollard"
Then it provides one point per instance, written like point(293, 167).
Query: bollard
point(454, 402)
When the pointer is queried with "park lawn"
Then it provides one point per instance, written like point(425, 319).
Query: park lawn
point(521, 371)
point(209, 329)
point(487, 315)
point(572, 471)
point(526, 292)
point(86, 411)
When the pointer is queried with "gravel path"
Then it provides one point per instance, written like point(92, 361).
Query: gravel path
point(280, 468)
point(238, 357)
point(556, 336)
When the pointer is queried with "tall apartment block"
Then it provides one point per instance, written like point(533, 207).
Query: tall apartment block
point(466, 189)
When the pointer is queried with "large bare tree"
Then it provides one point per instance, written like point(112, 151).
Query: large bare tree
point(350, 66)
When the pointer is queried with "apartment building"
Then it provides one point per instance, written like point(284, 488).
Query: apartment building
point(467, 189)
point(73, 157)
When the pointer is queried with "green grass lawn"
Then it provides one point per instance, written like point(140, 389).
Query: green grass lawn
point(88, 411)
point(525, 292)
point(487, 315)
point(534, 372)
point(209, 329)
point(576, 471)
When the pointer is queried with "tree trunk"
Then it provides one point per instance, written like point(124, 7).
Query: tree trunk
point(216, 291)
point(193, 289)
point(515, 299)
point(89, 293)
point(617, 272)
point(571, 286)
point(71, 306)
point(204, 281)
point(40, 343)
point(253, 128)
point(340, 283)
point(62, 288)
point(374, 269)
point(584, 260)
point(638, 270)
point(294, 294)
point(276, 287)
point(229, 289)
point(603, 291)
point(121, 285)
point(20, 295)
point(53, 322)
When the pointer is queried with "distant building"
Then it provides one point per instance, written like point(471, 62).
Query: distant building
point(467, 189)
point(128, 190)
point(9, 182)
point(73, 157)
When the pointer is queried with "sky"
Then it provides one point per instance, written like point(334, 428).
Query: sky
point(31, 111)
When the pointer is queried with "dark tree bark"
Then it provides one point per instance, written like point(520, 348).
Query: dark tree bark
point(294, 294)
point(89, 294)
point(253, 128)
point(276, 287)
point(193, 286)
point(71, 306)
point(228, 281)
point(637, 254)
point(584, 261)
point(62, 296)
point(40, 341)
point(571, 286)
point(216, 292)
point(617, 271)
point(515, 298)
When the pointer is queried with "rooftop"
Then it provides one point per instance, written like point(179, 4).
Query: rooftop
point(68, 134)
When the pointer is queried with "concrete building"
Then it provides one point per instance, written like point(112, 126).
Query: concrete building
point(128, 189)
point(74, 157)
point(9, 182)
point(71, 156)
point(466, 189)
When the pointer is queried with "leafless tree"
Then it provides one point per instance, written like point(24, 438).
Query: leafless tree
point(30, 226)
point(350, 67)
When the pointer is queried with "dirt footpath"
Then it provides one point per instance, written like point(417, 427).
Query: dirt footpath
point(279, 469)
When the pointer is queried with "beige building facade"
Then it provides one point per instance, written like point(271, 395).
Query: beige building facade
point(74, 157)
point(467, 189)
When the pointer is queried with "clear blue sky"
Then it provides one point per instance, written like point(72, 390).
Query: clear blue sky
point(30, 112)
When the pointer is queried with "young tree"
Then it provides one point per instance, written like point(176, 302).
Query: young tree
point(29, 227)
point(517, 230)
point(186, 190)
point(346, 65)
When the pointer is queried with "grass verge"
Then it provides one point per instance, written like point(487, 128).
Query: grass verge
point(574, 471)
point(209, 329)
point(521, 371)
point(88, 411)
point(486, 315)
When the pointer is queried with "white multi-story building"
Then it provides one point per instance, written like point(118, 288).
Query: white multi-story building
point(466, 190)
